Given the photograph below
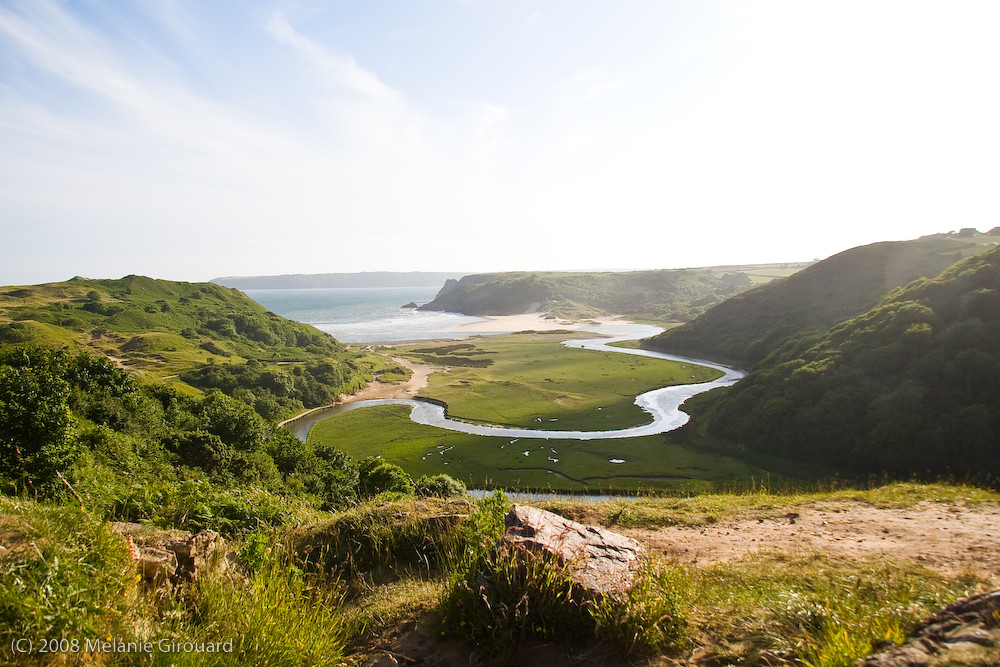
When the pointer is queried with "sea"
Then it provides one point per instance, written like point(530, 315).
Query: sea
point(365, 314)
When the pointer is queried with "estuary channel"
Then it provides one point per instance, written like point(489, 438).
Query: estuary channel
point(662, 404)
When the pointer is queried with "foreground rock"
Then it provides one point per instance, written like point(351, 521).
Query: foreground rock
point(964, 633)
point(171, 556)
point(600, 561)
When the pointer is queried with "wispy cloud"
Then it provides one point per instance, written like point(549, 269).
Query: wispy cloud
point(244, 129)
point(343, 70)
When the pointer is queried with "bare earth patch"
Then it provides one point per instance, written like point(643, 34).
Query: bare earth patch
point(408, 389)
point(950, 538)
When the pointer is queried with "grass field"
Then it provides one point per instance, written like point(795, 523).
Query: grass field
point(532, 380)
point(519, 380)
point(649, 463)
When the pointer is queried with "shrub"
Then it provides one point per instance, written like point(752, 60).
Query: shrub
point(440, 486)
point(376, 476)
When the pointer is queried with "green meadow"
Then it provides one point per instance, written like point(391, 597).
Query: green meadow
point(532, 380)
point(650, 463)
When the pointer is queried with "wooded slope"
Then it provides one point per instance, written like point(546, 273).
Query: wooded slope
point(746, 327)
point(911, 386)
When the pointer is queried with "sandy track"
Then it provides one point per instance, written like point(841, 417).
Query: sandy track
point(950, 538)
point(408, 389)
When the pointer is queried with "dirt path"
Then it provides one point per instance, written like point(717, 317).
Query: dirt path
point(949, 538)
point(408, 389)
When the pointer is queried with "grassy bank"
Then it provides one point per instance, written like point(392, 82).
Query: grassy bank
point(534, 381)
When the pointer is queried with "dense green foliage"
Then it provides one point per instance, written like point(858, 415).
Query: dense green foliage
point(747, 327)
point(274, 391)
point(140, 451)
point(667, 295)
point(909, 387)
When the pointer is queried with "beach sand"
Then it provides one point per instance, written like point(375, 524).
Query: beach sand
point(532, 321)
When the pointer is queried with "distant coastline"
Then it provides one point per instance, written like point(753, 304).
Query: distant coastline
point(326, 280)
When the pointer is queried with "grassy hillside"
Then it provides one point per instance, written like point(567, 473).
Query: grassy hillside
point(912, 386)
point(667, 295)
point(205, 334)
point(745, 328)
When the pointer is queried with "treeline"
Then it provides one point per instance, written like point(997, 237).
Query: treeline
point(911, 386)
point(76, 426)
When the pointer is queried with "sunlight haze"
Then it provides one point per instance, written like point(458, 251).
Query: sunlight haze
point(189, 140)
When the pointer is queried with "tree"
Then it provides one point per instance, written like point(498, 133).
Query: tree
point(35, 419)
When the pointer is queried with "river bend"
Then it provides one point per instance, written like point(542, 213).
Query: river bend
point(662, 404)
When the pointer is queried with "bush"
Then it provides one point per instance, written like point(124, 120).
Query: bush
point(375, 476)
point(35, 419)
point(440, 486)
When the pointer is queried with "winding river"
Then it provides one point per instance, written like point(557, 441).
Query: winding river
point(662, 404)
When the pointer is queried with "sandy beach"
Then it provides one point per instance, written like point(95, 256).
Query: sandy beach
point(532, 321)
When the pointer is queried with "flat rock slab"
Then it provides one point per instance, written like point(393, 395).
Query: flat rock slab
point(598, 560)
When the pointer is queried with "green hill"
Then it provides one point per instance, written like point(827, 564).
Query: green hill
point(912, 386)
point(746, 327)
point(664, 295)
point(208, 335)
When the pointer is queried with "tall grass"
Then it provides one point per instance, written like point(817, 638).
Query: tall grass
point(277, 617)
point(65, 574)
point(810, 609)
point(62, 574)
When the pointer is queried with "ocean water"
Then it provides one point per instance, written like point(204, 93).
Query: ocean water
point(365, 314)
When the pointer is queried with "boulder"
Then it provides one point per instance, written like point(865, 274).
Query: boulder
point(965, 632)
point(598, 560)
point(197, 554)
point(174, 556)
point(410, 305)
point(157, 566)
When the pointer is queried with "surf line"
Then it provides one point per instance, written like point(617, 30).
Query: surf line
point(662, 404)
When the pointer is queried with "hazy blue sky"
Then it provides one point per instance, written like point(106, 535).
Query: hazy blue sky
point(192, 139)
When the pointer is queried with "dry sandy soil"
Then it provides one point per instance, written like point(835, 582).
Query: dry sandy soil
point(950, 538)
point(531, 322)
point(408, 389)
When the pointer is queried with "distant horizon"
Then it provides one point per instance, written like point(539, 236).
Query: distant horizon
point(477, 272)
point(377, 271)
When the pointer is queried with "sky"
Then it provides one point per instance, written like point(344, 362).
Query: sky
point(186, 140)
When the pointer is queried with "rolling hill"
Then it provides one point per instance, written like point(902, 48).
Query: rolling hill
point(200, 333)
point(745, 328)
point(911, 386)
point(664, 295)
